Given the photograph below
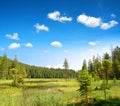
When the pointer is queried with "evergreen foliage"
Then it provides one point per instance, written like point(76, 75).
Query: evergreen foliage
point(116, 62)
point(108, 67)
point(9, 69)
point(85, 83)
point(4, 67)
point(66, 65)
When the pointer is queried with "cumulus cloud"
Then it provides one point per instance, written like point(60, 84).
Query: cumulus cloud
point(54, 15)
point(14, 36)
point(113, 15)
point(89, 21)
point(57, 44)
point(41, 27)
point(96, 22)
point(57, 17)
point(28, 45)
point(14, 46)
point(108, 25)
point(93, 43)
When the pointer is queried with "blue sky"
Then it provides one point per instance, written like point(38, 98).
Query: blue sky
point(45, 32)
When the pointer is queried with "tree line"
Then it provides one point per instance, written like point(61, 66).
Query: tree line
point(107, 66)
point(10, 69)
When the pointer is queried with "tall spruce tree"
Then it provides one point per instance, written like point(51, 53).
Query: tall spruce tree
point(116, 62)
point(107, 67)
point(97, 68)
point(84, 79)
point(66, 66)
point(84, 66)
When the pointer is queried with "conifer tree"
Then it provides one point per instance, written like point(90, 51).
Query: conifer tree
point(106, 66)
point(15, 71)
point(66, 66)
point(4, 66)
point(85, 83)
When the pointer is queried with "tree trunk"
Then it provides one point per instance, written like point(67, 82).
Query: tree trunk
point(105, 93)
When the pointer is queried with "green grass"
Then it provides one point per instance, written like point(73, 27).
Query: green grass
point(50, 92)
point(39, 92)
point(113, 91)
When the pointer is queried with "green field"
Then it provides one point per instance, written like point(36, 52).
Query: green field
point(50, 92)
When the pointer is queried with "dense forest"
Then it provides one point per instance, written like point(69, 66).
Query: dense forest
point(9, 68)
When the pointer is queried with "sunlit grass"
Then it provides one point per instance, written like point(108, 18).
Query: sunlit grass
point(43, 92)
point(50, 92)
point(10, 96)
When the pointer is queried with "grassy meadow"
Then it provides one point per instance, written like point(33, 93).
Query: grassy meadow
point(51, 92)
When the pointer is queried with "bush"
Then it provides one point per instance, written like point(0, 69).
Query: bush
point(106, 103)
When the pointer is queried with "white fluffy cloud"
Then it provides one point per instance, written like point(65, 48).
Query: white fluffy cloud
point(14, 46)
point(14, 36)
point(108, 25)
point(41, 27)
point(93, 43)
point(89, 21)
point(54, 15)
point(57, 44)
point(28, 45)
point(96, 22)
point(57, 17)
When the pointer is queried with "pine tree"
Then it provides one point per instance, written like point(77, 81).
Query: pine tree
point(66, 66)
point(84, 66)
point(85, 83)
point(116, 62)
point(107, 66)
point(4, 66)
point(15, 72)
